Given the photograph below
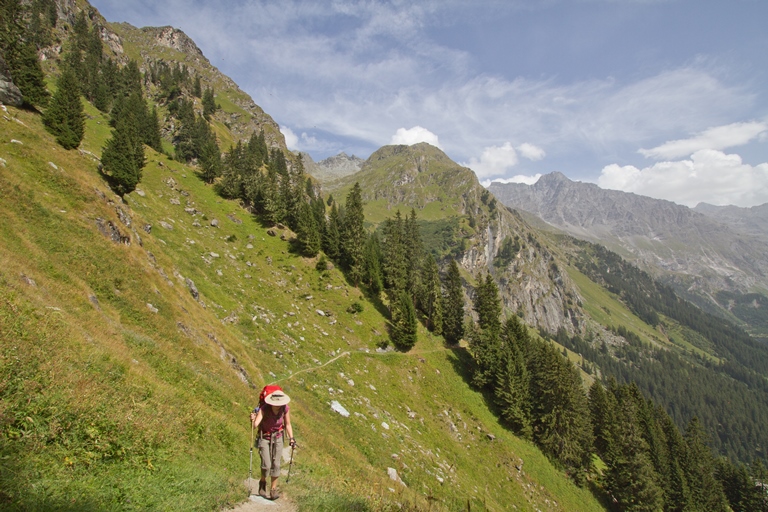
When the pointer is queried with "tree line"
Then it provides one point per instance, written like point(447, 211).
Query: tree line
point(649, 464)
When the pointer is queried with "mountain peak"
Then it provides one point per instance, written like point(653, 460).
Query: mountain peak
point(554, 177)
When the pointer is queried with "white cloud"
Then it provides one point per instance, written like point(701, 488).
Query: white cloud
point(709, 176)
point(414, 136)
point(720, 137)
point(291, 140)
point(531, 152)
point(520, 178)
point(494, 161)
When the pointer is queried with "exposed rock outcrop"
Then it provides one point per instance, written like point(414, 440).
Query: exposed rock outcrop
point(9, 93)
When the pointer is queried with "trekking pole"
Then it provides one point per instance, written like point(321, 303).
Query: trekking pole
point(290, 465)
point(250, 465)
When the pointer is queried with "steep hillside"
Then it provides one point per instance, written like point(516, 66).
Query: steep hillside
point(463, 221)
point(695, 253)
point(136, 334)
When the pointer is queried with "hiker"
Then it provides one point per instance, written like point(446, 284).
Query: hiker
point(272, 418)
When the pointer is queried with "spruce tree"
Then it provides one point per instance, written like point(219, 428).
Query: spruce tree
point(209, 103)
point(431, 296)
point(332, 238)
point(64, 117)
point(404, 323)
point(453, 311)
point(706, 492)
point(394, 261)
point(308, 235)
point(27, 74)
point(511, 391)
point(119, 161)
point(372, 275)
point(353, 240)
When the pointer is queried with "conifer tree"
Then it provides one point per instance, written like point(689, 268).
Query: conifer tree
point(394, 261)
point(308, 235)
point(706, 492)
point(512, 392)
point(560, 411)
point(372, 275)
point(123, 156)
point(18, 49)
point(414, 254)
point(404, 323)
point(209, 103)
point(353, 240)
point(484, 340)
point(197, 89)
point(453, 312)
point(332, 238)
point(431, 296)
point(64, 117)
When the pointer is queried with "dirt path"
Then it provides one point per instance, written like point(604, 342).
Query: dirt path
point(258, 504)
point(347, 353)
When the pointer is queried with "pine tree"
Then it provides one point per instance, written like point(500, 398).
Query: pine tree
point(485, 340)
point(630, 475)
point(404, 323)
point(372, 275)
point(64, 117)
point(706, 492)
point(332, 238)
point(453, 312)
point(561, 423)
point(394, 261)
point(209, 103)
point(353, 241)
point(28, 75)
point(512, 392)
point(431, 296)
point(119, 159)
point(414, 254)
point(308, 235)
point(197, 89)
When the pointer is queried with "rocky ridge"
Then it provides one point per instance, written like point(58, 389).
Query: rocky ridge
point(426, 179)
point(693, 251)
point(333, 167)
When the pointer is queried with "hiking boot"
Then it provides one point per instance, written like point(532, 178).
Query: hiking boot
point(263, 489)
point(275, 493)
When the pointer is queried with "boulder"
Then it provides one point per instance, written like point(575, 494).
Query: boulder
point(192, 288)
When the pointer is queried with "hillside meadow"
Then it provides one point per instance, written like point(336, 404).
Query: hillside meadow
point(121, 390)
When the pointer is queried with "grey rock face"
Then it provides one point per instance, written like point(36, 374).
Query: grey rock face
point(670, 241)
point(9, 93)
point(333, 167)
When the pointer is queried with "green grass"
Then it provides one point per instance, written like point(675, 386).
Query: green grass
point(107, 405)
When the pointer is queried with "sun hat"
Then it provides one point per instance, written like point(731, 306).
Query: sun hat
point(277, 398)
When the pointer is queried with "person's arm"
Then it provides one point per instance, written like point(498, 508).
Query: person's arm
point(256, 418)
point(288, 427)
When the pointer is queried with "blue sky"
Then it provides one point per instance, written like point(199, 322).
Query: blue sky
point(665, 98)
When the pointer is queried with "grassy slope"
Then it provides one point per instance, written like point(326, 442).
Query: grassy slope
point(106, 404)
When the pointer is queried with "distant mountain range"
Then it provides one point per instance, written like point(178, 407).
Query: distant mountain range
point(701, 251)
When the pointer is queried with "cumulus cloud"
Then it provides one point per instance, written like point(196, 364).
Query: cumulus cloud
point(720, 137)
point(414, 136)
point(291, 140)
point(494, 161)
point(497, 160)
point(531, 152)
point(520, 178)
point(709, 176)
